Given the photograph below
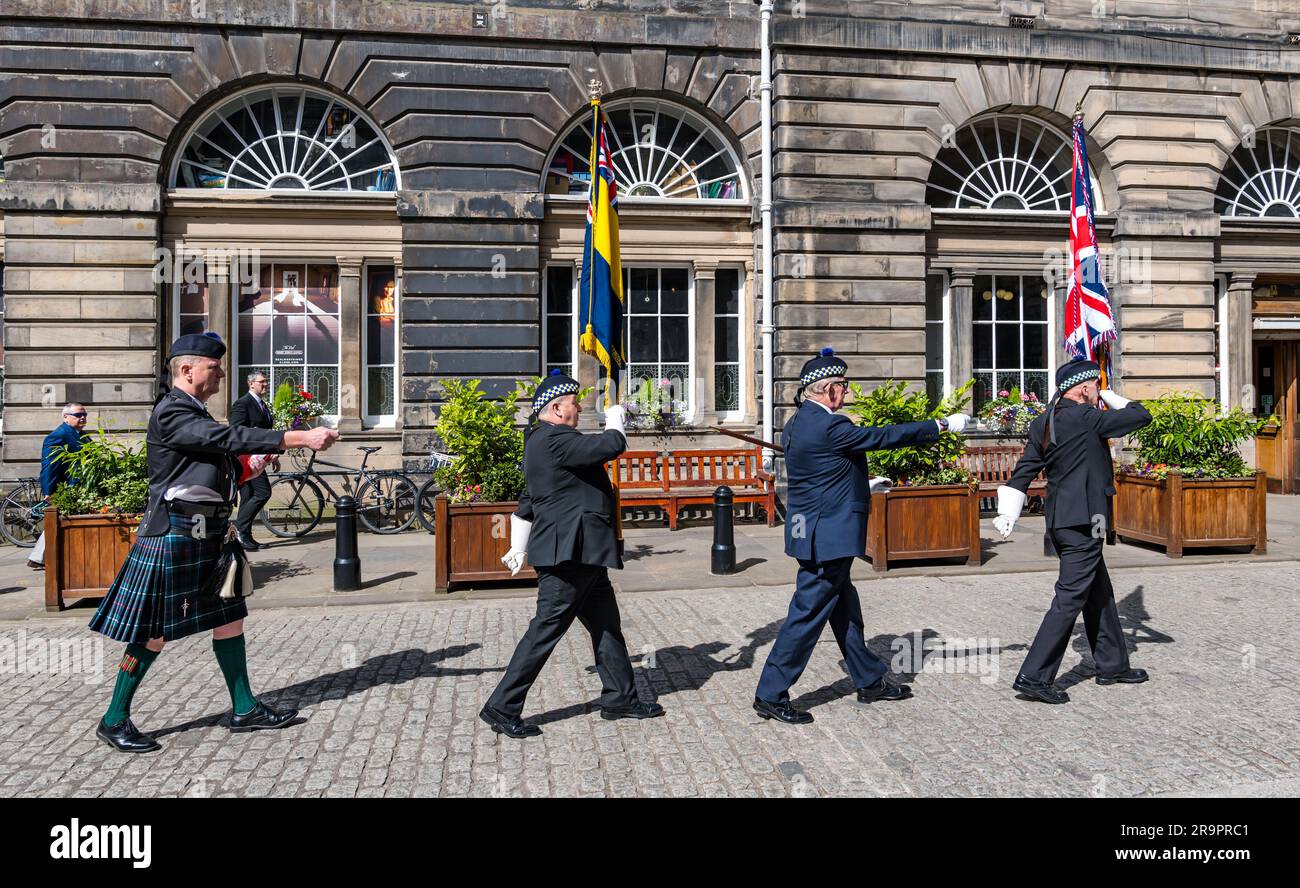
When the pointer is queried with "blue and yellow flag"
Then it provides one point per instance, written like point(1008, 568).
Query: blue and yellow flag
point(600, 313)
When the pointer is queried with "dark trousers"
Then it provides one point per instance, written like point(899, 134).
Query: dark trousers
point(1083, 585)
point(252, 497)
point(564, 592)
point(823, 592)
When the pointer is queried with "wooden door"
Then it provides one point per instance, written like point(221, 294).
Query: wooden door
point(1276, 450)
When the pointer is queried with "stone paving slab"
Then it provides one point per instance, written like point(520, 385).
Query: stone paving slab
point(391, 694)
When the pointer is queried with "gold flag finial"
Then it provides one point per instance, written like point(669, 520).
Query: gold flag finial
point(1078, 110)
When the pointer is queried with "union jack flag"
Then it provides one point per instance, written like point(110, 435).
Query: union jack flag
point(1089, 321)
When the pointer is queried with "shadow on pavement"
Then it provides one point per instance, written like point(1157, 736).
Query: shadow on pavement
point(398, 667)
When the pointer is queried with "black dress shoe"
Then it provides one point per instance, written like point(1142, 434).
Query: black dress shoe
point(634, 710)
point(1040, 691)
point(35, 565)
point(248, 544)
point(514, 728)
point(262, 718)
point(782, 712)
point(883, 690)
point(1129, 677)
point(125, 737)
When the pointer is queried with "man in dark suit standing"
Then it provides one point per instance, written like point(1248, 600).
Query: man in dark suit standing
point(826, 528)
point(565, 523)
point(1069, 442)
point(251, 411)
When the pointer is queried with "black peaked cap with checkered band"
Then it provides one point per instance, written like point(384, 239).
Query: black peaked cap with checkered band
point(824, 366)
point(1067, 377)
point(552, 387)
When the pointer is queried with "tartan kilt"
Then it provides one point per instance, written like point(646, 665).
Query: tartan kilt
point(166, 588)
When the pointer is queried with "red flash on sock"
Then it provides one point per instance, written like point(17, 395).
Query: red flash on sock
point(128, 664)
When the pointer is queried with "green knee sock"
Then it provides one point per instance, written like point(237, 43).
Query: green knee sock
point(130, 672)
point(234, 666)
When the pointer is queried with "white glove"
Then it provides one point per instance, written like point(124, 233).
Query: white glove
point(881, 484)
point(958, 422)
point(1113, 401)
point(519, 531)
point(1010, 504)
point(615, 417)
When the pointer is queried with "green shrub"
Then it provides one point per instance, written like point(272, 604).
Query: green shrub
point(486, 441)
point(889, 404)
point(107, 476)
point(1194, 436)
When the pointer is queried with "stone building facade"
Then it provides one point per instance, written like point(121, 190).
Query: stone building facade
point(407, 179)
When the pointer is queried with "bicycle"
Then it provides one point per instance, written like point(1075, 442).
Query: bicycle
point(429, 490)
point(386, 500)
point(22, 515)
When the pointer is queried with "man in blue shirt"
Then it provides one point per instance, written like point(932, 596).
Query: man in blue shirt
point(68, 436)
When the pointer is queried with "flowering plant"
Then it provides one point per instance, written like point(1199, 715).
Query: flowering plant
point(653, 407)
point(1194, 437)
point(1012, 411)
point(294, 408)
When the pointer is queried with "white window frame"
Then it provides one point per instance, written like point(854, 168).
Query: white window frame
point(382, 420)
point(573, 315)
point(1049, 323)
point(742, 365)
point(689, 388)
point(946, 334)
point(1222, 338)
point(330, 419)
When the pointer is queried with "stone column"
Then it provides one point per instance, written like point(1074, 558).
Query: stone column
point(217, 280)
point(961, 292)
point(350, 333)
point(1240, 378)
point(703, 397)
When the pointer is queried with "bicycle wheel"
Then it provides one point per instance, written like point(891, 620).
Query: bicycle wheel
point(23, 515)
point(386, 503)
point(295, 507)
point(428, 490)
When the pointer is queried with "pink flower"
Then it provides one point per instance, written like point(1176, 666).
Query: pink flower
point(1004, 394)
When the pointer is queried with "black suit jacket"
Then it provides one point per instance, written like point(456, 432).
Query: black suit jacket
point(568, 497)
point(187, 446)
point(1080, 472)
point(246, 412)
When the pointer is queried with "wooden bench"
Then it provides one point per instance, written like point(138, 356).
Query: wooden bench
point(677, 479)
point(993, 466)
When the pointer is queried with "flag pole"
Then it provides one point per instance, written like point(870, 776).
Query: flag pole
point(611, 380)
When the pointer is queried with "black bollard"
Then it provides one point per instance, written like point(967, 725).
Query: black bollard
point(724, 538)
point(347, 563)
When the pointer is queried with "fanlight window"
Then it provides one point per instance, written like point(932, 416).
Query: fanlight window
point(1003, 162)
point(286, 138)
point(1262, 177)
point(657, 149)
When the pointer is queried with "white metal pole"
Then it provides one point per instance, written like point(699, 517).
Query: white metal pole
point(765, 211)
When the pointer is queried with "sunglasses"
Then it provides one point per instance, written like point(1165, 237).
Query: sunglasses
point(80, 415)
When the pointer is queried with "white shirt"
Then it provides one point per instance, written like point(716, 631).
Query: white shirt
point(193, 493)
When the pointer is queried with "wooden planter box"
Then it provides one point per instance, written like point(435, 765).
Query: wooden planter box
point(83, 554)
point(466, 549)
point(908, 523)
point(1178, 513)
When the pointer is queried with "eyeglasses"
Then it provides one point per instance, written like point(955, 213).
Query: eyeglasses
point(81, 415)
point(843, 385)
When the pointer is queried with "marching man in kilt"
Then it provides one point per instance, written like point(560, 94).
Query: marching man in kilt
point(168, 587)
point(1068, 441)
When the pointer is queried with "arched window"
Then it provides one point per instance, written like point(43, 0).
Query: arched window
point(1262, 177)
point(658, 150)
point(1003, 162)
point(286, 138)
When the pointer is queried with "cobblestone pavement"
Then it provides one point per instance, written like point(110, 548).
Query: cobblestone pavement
point(391, 695)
